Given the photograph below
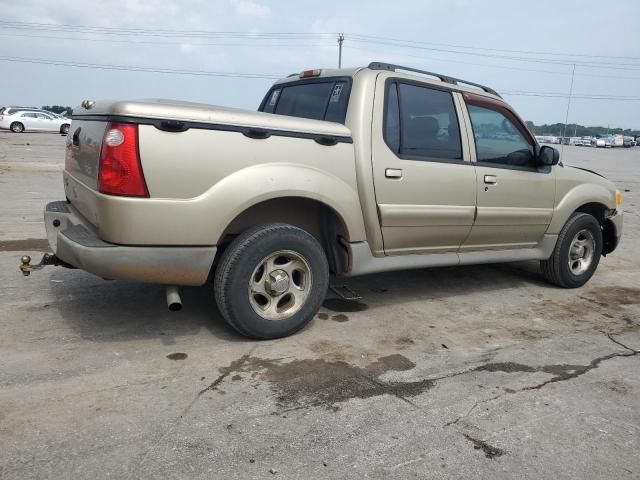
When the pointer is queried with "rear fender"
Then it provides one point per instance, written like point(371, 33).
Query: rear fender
point(251, 186)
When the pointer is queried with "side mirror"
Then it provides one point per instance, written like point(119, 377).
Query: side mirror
point(548, 156)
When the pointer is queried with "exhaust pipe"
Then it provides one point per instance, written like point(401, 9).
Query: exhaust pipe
point(174, 302)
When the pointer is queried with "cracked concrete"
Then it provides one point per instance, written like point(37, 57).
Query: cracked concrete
point(471, 372)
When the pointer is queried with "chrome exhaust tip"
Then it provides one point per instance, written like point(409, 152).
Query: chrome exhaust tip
point(174, 302)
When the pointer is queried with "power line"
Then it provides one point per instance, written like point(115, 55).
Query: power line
point(268, 76)
point(131, 68)
point(488, 65)
point(149, 42)
point(157, 32)
point(304, 45)
point(353, 36)
point(527, 52)
point(607, 65)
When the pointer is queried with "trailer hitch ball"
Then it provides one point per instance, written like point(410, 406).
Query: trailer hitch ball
point(25, 267)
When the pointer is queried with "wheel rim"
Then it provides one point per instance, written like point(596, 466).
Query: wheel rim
point(17, 128)
point(280, 285)
point(581, 252)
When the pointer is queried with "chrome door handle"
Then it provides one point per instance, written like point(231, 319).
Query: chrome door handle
point(393, 173)
point(490, 179)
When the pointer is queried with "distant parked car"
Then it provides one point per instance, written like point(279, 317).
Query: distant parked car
point(34, 121)
point(10, 110)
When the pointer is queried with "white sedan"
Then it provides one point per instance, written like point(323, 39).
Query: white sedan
point(24, 121)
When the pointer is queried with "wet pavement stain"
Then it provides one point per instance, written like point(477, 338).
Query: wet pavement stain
point(340, 305)
point(489, 450)
point(619, 386)
point(318, 382)
point(177, 356)
point(27, 245)
point(323, 316)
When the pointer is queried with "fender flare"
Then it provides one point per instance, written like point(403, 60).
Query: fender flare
point(259, 183)
point(574, 199)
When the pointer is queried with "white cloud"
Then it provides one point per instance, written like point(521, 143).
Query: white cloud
point(250, 8)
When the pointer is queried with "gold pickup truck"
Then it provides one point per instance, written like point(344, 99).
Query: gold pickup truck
point(339, 173)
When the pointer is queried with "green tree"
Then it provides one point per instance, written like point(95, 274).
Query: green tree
point(59, 109)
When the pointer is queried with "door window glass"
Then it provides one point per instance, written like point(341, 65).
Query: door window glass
point(497, 139)
point(392, 119)
point(428, 123)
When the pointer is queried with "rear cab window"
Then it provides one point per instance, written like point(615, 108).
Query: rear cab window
point(323, 98)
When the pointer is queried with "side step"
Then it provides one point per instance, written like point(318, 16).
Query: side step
point(344, 292)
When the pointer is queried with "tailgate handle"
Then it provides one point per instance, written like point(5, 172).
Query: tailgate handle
point(257, 133)
point(76, 137)
point(326, 140)
point(172, 126)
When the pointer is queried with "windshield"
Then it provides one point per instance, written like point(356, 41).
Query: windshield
point(318, 99)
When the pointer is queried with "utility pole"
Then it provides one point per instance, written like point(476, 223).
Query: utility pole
point(566, 118)
point(340, 41)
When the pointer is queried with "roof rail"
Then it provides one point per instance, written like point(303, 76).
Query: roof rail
point(444, 78)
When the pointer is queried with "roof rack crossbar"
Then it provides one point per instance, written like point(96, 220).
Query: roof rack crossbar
point(444, 78)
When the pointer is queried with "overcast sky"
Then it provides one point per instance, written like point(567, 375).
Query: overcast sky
point(606, 31)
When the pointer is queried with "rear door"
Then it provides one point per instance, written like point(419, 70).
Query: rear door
point(425, 184)
point(30, 121)
point(515, 195)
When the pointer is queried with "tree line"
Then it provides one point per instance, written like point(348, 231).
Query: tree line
point(572, 129)
point(59, 109)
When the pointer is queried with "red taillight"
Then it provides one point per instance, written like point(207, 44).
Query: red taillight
point(310, 73)
point(120, 170)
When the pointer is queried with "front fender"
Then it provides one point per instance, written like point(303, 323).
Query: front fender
point(576, 197)
point(247, 187)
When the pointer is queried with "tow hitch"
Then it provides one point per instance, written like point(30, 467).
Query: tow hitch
point(48, 259)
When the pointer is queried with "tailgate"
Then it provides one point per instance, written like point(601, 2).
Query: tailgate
point(82, 157)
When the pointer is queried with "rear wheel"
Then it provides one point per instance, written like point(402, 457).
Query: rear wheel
point(64, 129)
point(271, 281)
point(576, 254)
point(17, 127)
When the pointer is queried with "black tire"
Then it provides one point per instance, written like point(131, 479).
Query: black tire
point(17, 127)
point(64, 129)
point(556, 269)
point(237, 267)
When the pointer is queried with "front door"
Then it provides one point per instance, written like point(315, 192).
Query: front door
point(515, 195)
point(425, 184)
point(46, 122)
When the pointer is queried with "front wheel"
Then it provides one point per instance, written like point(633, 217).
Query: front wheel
point(271, 281)
point(576, 254)
point(64, 129)
point(17, 127)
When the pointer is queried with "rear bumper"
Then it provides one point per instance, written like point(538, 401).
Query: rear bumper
point(74, 241)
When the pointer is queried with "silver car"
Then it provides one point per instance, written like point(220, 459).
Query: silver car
point(32, 121)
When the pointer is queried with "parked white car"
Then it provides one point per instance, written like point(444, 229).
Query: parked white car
point(30, 121)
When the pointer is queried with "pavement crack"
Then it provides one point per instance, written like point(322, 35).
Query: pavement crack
point(489, 450)
point(618, 342)
point(561, 372)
